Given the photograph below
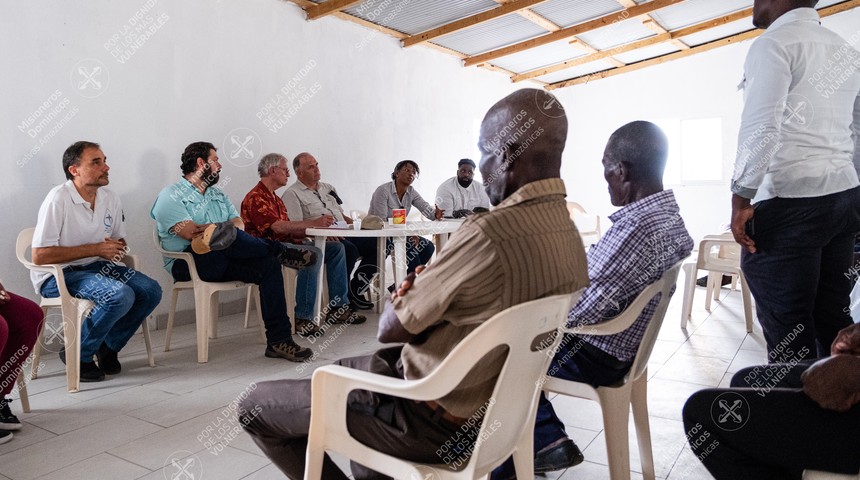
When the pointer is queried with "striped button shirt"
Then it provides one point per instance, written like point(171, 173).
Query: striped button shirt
point(526, 248)
point(647, 237)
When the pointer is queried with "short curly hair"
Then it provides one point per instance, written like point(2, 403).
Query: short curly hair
point(402, 164)
point(192, 153)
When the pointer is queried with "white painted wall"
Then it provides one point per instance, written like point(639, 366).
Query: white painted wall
point(210, 67)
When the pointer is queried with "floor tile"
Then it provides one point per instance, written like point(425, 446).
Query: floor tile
point(102, 466)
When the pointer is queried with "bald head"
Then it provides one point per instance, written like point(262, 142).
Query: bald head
point(634, 161)
point(765, 12)
point(522, 139)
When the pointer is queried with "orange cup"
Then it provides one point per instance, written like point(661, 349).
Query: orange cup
point(398, 216)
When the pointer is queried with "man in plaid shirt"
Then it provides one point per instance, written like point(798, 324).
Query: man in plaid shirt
point(647, 237)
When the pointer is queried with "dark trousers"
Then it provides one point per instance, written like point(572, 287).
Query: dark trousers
point(277, 416)
point(20, 320)
point(577, 361)
point(799, 275)
point(419, 251)
point(778, 431)
point(363, 249)
point(251, 260)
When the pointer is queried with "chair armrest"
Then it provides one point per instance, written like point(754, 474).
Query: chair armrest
point(347, 379)
point(624, 319)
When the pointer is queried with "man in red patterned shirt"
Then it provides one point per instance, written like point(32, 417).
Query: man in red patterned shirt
point(265, 216)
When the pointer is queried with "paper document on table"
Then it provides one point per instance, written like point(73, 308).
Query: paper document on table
point(340, 225)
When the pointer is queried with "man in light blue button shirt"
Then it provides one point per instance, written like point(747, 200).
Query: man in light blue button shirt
point(797, 156)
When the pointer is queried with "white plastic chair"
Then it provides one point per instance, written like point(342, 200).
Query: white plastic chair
point(205, 302)
point(289, 294)
point(725, 261)
point(818, 475)
point(73, 311)
point(522, 328)
point(588, 225)
point(615, 401)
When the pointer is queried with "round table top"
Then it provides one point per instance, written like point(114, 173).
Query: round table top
point(410, 228)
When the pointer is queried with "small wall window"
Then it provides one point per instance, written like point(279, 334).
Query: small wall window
point(695, 150)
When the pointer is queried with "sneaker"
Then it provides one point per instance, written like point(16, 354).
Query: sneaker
point(306, 328)
point(108, 361)
point(7, 420)
point(297, 258)
point(90, 372)
point(344, 315)
point(289, 350)
point(5, 436)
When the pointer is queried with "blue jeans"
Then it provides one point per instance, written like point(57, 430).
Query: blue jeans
point(124, 298)
point(576, 361)
point(251, 260)
point(306, 283)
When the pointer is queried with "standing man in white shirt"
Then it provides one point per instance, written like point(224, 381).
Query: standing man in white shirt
point(81, 225)
point(796, 158)
point(459, 196)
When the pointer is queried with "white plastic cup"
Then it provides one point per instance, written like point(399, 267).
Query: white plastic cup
point(356, 224)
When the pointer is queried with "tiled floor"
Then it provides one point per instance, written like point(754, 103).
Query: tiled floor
point(160, 423)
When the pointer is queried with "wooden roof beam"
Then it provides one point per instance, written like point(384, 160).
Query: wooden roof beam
point(329, 7)
point(534, 17)
point(471, 21)
point(628, 47)
point(571, 31)
point(824, 12)
point(588, 49)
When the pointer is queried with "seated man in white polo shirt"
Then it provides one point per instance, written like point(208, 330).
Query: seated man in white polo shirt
point(459, 196)
point(82, 226)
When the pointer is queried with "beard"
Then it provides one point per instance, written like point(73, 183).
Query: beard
point(464, 182)
point(209, 176)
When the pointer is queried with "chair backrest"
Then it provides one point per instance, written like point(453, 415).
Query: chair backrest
point(625, 319)
point(22, 245)
point(726, 260)
point(664, 286)
point(189, 259)
point(587, 224)
point(530, 332)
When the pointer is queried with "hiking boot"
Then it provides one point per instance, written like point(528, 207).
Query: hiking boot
point(306, 328)
point(108, 361)
point(297, 258)
point(344, 315)
point(7, 420)
point(289, 350)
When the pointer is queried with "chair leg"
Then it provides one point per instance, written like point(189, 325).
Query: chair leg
point(524, 454)
point(256, 295)
point(690, 271)
point(37, 348)
point(639, 400)
point(616, 412)
point(72, 333)
point(202, 314)
point(248, 304)
point(711, 291)
point(147, 340)
point(214, 312)
point(22, 392)
point(745, 294)
point(170, 315)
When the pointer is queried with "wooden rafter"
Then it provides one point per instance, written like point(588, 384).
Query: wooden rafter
point(471, 21)
point(534, 17)
point(636, 45)
point(585, 47)
point(572, 31)
point(331, 6)
point(740, 37)
point(652, 24)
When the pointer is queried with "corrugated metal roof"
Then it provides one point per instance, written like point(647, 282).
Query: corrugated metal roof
point(521, 37)
point(491, 35)
point(565, 13)
point(645, 53)
point(416, 16)
point(695, 11)
point(577, 71)
point(723, 31)
point(617, 34)
point(549, 54)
